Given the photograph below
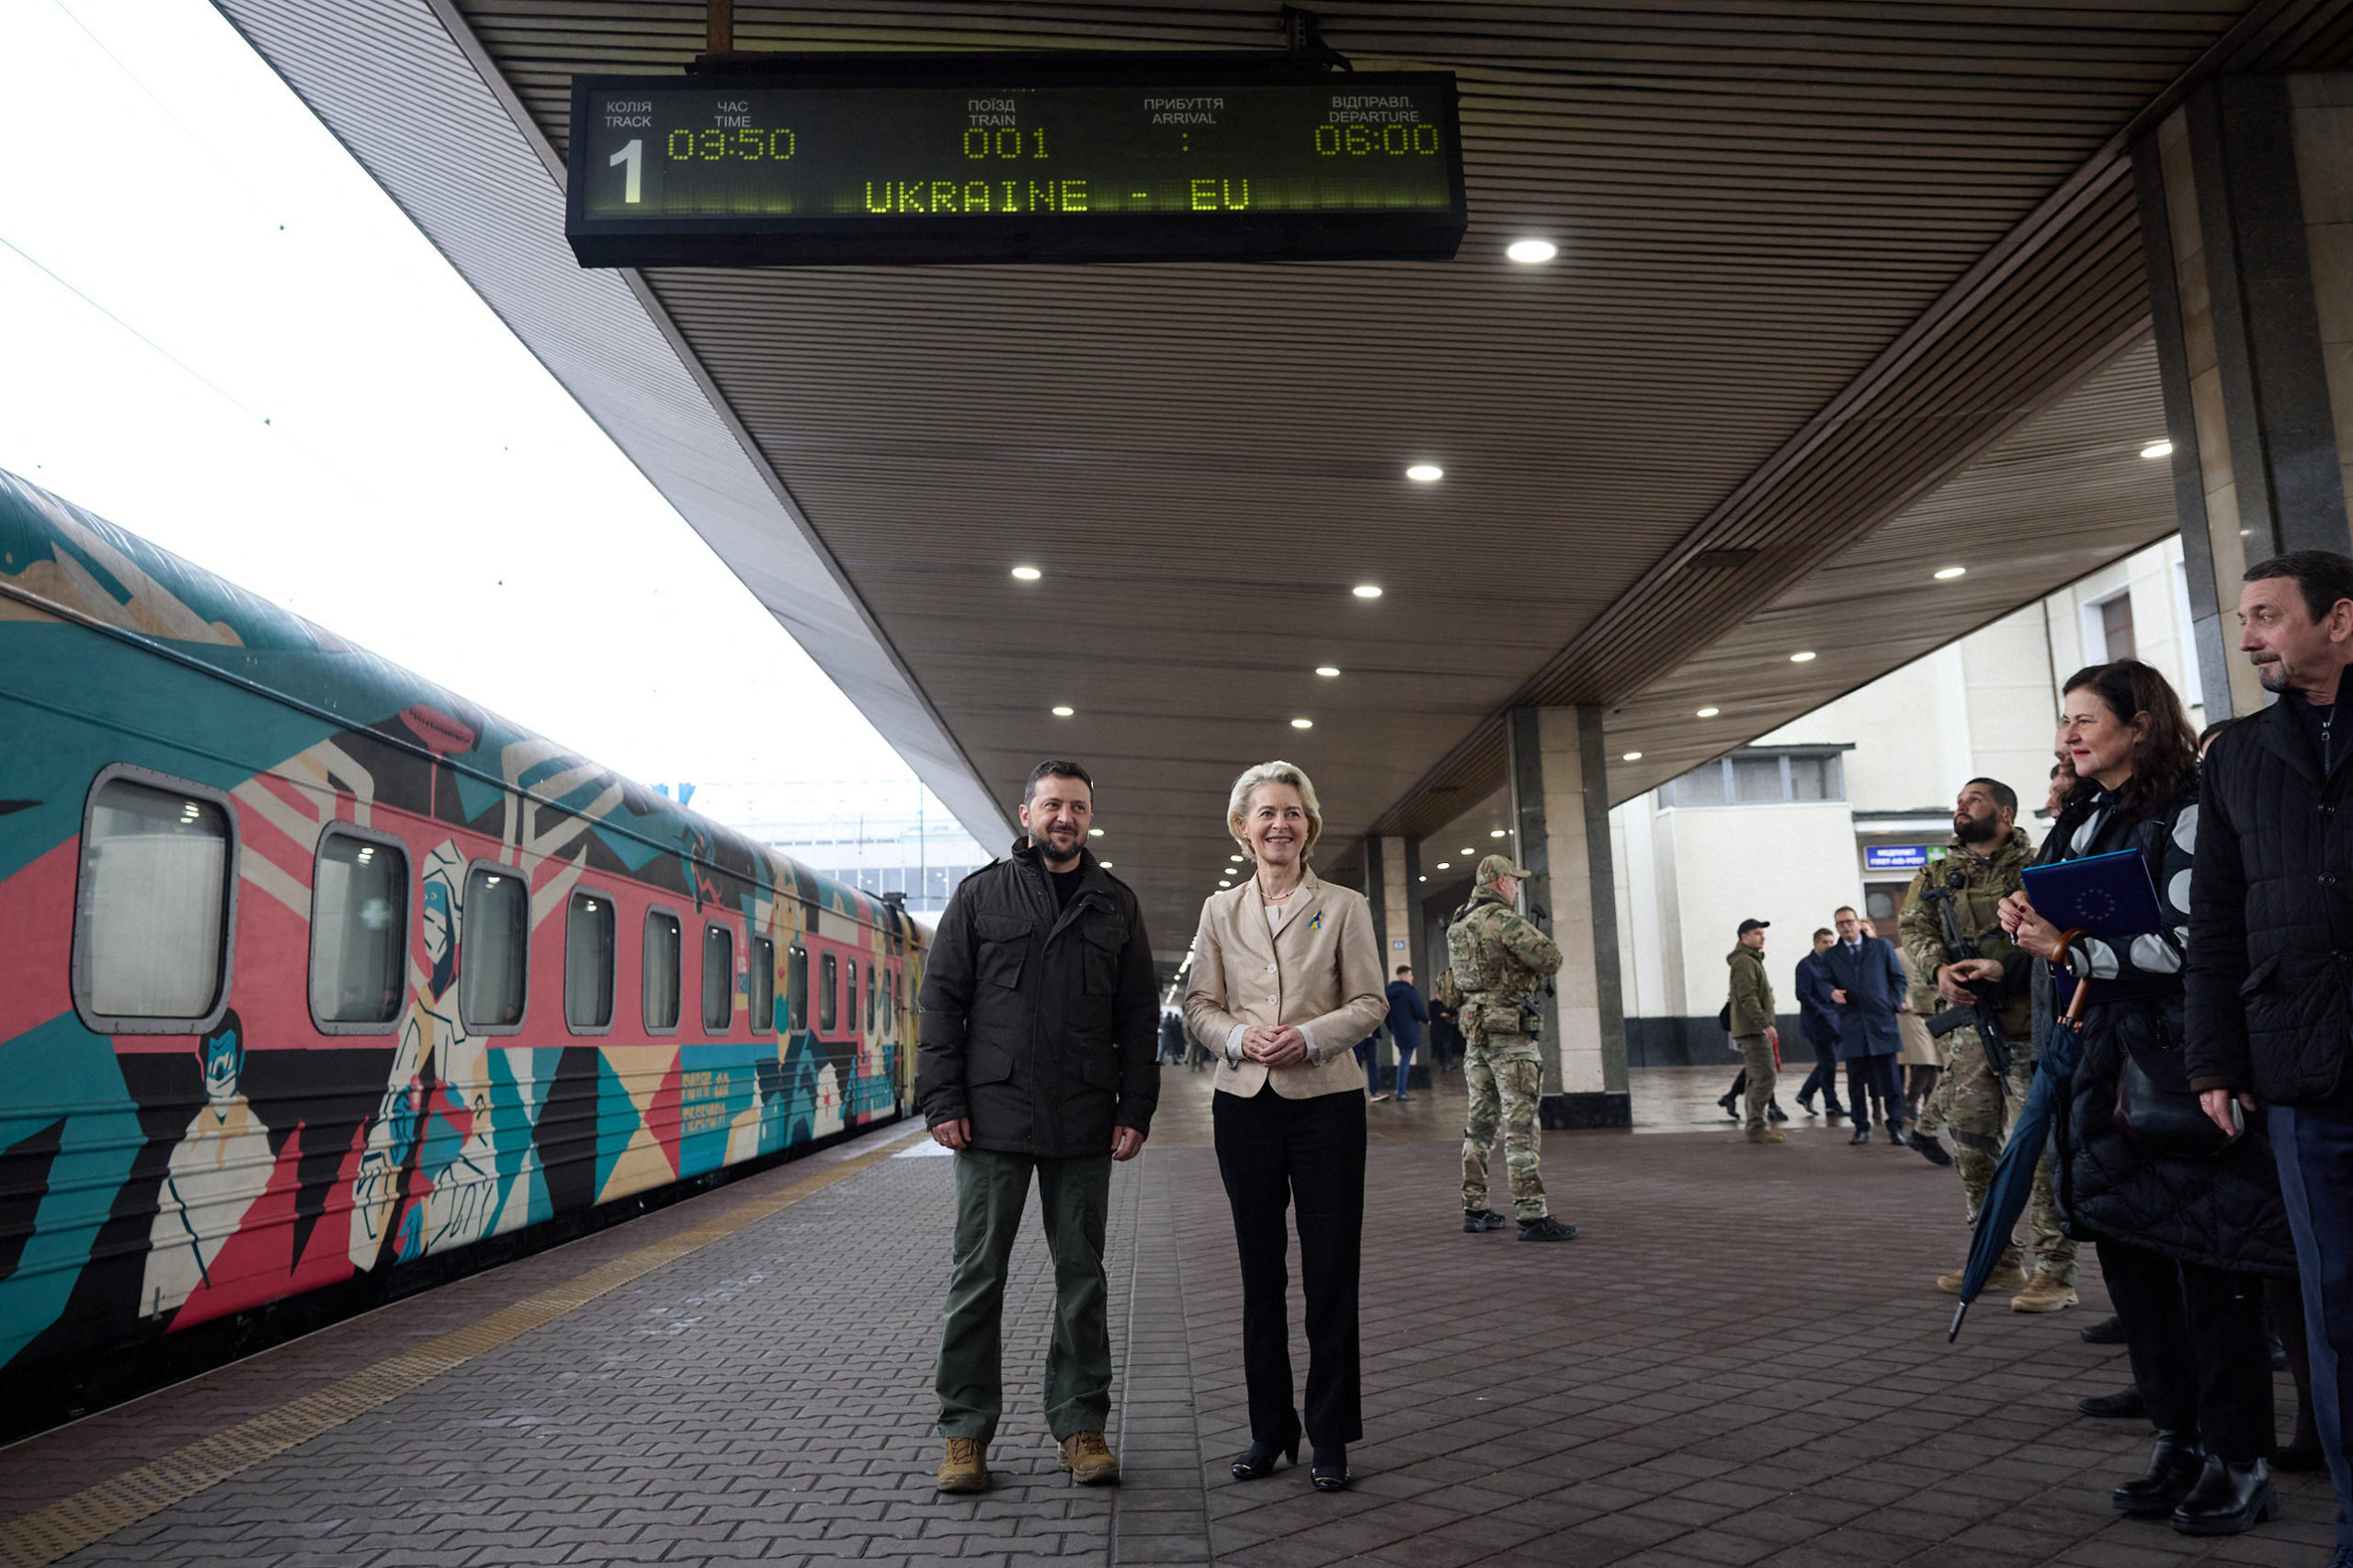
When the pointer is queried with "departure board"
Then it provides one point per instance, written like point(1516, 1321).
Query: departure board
point(1007, 158)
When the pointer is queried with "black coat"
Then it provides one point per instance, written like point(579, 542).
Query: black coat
point(1039, 1024)
point(1873, 982)
point(1817, 1014)
point(2271, 917)
point(2222, 1213)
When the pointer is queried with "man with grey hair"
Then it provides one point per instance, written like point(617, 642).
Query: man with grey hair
point(1040, 1015)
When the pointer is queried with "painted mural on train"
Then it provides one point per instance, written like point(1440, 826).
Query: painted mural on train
point(312, 969)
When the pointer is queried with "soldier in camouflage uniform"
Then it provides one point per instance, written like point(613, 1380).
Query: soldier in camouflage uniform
point(1500, 959)
point(1981, 864)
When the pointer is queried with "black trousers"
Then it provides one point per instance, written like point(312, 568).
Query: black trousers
point(1870, 1078)
point(2198, 1348)
point(1271, 1152)
point(1823, 1079)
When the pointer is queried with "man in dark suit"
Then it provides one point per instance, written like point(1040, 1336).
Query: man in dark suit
point(1867, 983)
point(1818, 1019)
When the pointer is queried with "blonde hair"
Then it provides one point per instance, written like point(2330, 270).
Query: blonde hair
point(1274, 772)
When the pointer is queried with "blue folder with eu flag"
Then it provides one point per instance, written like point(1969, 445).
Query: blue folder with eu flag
point(2107, 896)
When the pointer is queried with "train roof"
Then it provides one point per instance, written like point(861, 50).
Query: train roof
point(65, 559)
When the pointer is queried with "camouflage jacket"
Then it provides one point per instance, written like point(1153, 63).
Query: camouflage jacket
point(1516, 952)
point(1984, 880)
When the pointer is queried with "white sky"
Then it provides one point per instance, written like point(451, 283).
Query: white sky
point(422, 486)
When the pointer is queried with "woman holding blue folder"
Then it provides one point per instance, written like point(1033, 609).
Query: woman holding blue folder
point(2183, 1230)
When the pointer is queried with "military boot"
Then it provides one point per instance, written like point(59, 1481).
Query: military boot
point(965, 1466)
point(1767, 1135)
point(2046, 1293)
point(1546, 1230)
point(1089, 1459)
point(1477, 1220)
point(2007, 1276)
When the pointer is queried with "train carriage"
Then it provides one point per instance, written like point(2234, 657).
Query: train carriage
point(310, 970)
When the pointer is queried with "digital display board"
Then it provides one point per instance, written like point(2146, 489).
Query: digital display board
point(1007, 158)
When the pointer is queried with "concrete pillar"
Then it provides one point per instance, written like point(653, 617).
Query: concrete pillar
point(1561, 817)
point(1391, 886)
point(2246, 224)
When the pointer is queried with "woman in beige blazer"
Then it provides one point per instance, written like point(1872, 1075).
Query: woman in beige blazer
point(1286, 979)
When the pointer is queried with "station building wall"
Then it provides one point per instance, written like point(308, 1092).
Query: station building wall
point(1985, 705)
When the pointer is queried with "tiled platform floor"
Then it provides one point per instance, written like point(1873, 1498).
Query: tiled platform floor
point(1742, 1361)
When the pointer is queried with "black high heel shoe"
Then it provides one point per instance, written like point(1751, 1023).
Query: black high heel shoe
point(1257, 1461)
point(1329, 1468)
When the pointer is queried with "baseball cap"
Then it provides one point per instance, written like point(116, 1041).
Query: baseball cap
point(1495, 866)
point(1748, 925)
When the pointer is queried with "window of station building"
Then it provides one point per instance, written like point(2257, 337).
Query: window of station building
point(718, 979)
point(154, 913)
point(494, 948)
point(358, 933)
point(590, 940)
point(796, 987)
point(763, 986)
point(1760, 778)
point(828, 1013)
point(658, 990)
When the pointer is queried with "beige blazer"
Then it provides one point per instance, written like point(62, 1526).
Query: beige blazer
point(1319, 968)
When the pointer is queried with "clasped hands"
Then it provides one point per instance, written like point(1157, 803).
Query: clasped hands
point(1274, 1045)
point(2027, 929)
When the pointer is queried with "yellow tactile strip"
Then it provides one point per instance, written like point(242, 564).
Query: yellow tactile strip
point(63, 1528)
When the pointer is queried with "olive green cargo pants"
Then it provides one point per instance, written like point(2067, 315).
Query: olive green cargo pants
point(1073, 1198)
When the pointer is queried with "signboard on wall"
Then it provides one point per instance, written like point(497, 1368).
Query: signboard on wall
point(1900, 856)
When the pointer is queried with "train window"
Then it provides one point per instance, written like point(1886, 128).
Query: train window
point(590, 939)
point(828, 1018)
point(494, 948)
point(661, 971)
point(156, 906)
point(718, 979)
point(871, 1018)
point(796, 987)
point(850, 996)
point(358, 932)
point(763, 986)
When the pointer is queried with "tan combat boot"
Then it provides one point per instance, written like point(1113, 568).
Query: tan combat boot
point(966, 1466)
point(2007, 1276)
point(2044, 1293)
point(1089, 1459)
point(1768, 1135)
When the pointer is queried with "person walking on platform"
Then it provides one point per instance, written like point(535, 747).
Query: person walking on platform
point(1407, 1013)
point(1818, 1020)
point(1981, 867)
point(1867, 983)
point(1749, 1013)
point(2270, 994)
point(1499, 959)
point(1286, 978)
point(1037, 1059)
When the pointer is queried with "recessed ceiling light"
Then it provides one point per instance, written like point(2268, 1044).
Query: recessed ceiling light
point(1468, 850)
point(1027, 574)
point(1495, 833)
point(1065, 712)
point(1104, 864)
point(1947, 574)
point(1529, 252)
point(1804, 658)
point(2158, 450)
point(1327, 671)
point(1302, 723)
point(1426, 473)
point(1093, 833)
point(1631, 756)
point(1421, 879)
point(1366, 591)
point(1442, 865)
point(1708, 712)
point(1235, 859)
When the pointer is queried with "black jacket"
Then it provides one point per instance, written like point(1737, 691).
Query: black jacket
point(2224, 1212)
point(2271, 917)
point(1039, 1024)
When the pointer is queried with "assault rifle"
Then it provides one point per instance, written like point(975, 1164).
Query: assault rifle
point(1984, 1013)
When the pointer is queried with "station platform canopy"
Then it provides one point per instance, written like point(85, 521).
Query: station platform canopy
point(1846, 295)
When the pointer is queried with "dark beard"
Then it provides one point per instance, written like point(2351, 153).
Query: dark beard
point(1976, 832)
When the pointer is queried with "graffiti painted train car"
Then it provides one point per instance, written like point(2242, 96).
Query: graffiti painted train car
point(310, 970)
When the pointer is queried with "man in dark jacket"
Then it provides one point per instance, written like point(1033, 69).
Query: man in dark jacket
point(1818, 1019)
point(1040, 1022)
point(2269, 970)
point(1407, 1013)
point(1866, 983)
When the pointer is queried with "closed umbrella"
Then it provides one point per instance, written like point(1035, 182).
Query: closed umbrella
point(2013, 1182)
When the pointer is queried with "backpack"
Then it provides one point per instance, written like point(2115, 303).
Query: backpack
point(1467, 958)
point(1723, 1018)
